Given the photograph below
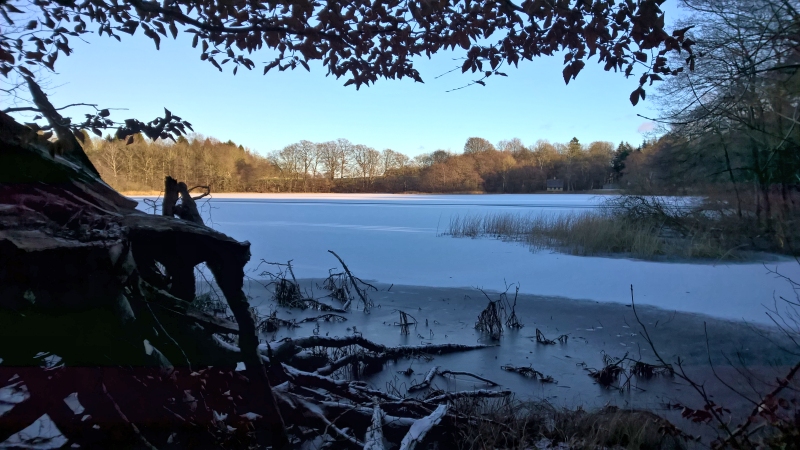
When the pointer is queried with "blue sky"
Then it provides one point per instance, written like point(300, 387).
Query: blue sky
point(268, 112)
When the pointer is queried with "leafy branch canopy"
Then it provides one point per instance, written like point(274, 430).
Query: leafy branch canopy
point(360, 40)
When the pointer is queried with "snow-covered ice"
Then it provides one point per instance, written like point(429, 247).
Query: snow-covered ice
point(396, 239)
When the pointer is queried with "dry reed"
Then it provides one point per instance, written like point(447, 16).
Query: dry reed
point(602, 232)
point(512, 424)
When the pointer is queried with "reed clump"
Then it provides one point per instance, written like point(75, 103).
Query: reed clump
point(639, 228)
point(509, 423)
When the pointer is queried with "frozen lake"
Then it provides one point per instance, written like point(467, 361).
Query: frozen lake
point(395, 239)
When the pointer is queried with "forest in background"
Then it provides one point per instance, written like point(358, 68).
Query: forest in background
point(342, 166)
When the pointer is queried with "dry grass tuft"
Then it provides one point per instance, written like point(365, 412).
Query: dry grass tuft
point(639, 227)
point(510, 424)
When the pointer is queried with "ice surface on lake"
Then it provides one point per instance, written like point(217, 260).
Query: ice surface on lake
point(393, 239)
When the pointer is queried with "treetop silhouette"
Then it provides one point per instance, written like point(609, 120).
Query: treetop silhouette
point(362, 40)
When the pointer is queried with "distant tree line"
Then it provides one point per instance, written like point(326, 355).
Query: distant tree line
point(342, 166)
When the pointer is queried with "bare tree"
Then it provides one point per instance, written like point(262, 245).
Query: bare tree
point(740, 104)
point(316, 160)
point(111, 156)
point(306, 155)
point(290, 163)
point(477, 145)
point(367, 160)
point(513, 145)
point(344, 155)
point(327, 154)
point(389, 160)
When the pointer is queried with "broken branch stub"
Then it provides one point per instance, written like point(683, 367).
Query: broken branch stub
point(357, 284)
point(512, 321)
point(405, 323)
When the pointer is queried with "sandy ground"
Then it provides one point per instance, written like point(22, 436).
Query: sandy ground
point(743, 354)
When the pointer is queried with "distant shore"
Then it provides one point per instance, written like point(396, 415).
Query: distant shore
point(348, 194)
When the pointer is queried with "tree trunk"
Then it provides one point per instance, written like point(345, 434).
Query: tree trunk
point(228, 270)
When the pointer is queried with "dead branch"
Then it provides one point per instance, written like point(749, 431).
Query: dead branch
point(710, 410)
point(468, 374)
point(353, 359)
point(479, 393)
point(319, 306)
point(374, 437)
point(490, 320)
point(541, 339)
point(357, 283)
point(324, 318)
point(512, 321)
point(301, 410)
point(272, 322)
point(286, 291)
point(426, 382)
point(293, 346)
point(338, 387)
point(142, 440)
point(421, 428)
point(529, 372)
point(67, 145)
point(204, 194)
point(404, 323)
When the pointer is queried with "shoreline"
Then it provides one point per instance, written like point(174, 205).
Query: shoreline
point(595, 329)
point(352, 194)
point(551, 302)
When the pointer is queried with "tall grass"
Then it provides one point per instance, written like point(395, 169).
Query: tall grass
point(609, 230)
point(512, 424)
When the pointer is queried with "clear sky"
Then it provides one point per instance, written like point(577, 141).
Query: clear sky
point(268, 112)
